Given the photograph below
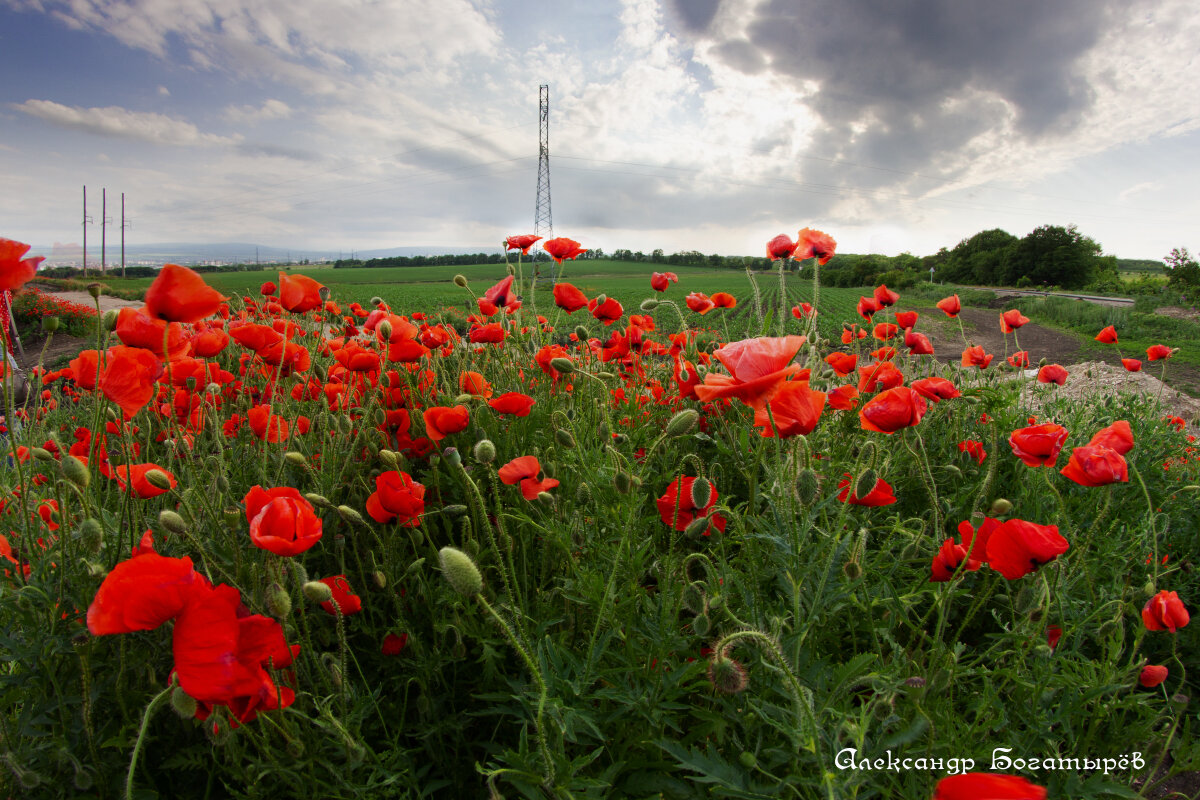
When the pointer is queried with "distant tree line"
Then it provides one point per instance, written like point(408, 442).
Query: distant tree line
point(453, 260)
point(145, 272)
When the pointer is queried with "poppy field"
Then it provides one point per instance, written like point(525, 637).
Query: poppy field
point(661, 542)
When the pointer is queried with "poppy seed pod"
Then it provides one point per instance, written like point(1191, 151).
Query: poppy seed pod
point(172, 521)
point(50, 324)
point(452, 456)
point(485, 451)
point(158, 479)
point(183, 703)
point(460, 571)
point(563, 365)
point(683, 422)
point(318, 592)
point(74, 471)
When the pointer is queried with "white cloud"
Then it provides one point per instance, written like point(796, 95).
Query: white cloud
point(164, 91)
point(123, 123)
point(248, 115)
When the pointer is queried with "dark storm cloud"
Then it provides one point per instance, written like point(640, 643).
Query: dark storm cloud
point(921, 78)
point(695, 14)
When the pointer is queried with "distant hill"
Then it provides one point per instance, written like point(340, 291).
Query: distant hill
point(227, 253)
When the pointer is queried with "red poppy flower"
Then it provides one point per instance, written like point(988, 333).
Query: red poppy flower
point(515, 403)
point(882, 375)
point(397, 497)
point(947, 559)
point(676, 504)
point(179, 294)
point(394, 644)
point(501, 294)
point(1018, 547)
point(723, 300)
point(129, 376)
point(1163, 612)
point(265, 425)
point(892, 410)
point(1096, 465)
point(1118, 436)
point(1011, 320)
point(1053, 634)
point(209, 343)
point(282, 520)
point(795, 408)
point(803, 311)
point(1038, 445)
point(975, 357)
point(142, 593)
point(884, 331)
point(135, 328)
point(843, 363)
point(936, 389)
point(1019, 359)
point(1152, 675)
point(886, 297)
point(918, 344)
point(569, 298)
point(781, 247)
point(814, 244)
point(522, 242)
point(473, 383)
point(132, 478)
point(441, 421)
point(255, 337)
point(562, 248)
point(492, 333)
point(951, 305)
point(843, 398)
point(907, 319)
point(15, 272)
point(1053, 373)
point(851, 333)
point(757, 367)
point(607, 312)
point(299, 293)
point(974, 449)
point(347, 601)
point(1131, 364)
point(986, 786)
point(1107, 335)
point(659, 281)
point(881, 495)
point(268, 289)
point(525, 470)
point(1158, 352)
point(84, 369)
point(700, 303)
point(868, 307)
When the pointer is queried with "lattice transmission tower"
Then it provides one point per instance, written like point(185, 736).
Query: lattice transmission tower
point(543, 220)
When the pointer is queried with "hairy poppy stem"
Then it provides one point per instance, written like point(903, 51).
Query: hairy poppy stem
point(158, 700)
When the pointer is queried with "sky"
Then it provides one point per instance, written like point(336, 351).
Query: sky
point(709, 125)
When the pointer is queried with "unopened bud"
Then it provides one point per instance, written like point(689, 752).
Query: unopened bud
point(697, 527)
point(1000, 507)
point(172, 521)
point(460, 281)
point(183, 703)
point(295, 459)
point(727, 676)
point(582, 333)
point(91, 535)
point(866, 484)
point(318, 592)
point(350, 515)
point(545, 498)
point(683, 422)
point(384, 329)
point(807, 486)
point(1150, 589)
point(463, 399)
point(622, 483)
point(563, 365)
point(701, 493)
point(109, 321)
point(701, 625)
point(649, 304)
point(379, 579)
point(42, 454)
point(485, 451)
point(222, 482)
point(460, 571)
point(158, 479)
point(74, 471)
point(279, 601)
point(564, 438)
point(852, 570)
point(455, 511)
point(318, 500)
point(50, 324)
point(747, 759)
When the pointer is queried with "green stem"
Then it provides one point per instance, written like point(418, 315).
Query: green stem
point(141, 739)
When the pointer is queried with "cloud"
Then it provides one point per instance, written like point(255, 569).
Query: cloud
point(122, 123)
point(164, 91)
point(248, 115)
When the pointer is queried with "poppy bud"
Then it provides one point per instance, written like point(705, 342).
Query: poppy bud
point(388, 457)
point(172, 521)
point(42, 454)
point(158, 479)
point(545, 498)
point(601, 299)
point(1150, 589)
point(109, 321)
point(49, 324)
point(379, 579)
point(485, 451)
point(564, 438)
point(563, 365)
point(747, 759)
point(1000, 507)
point(807, 486)
point(91, 535)
point(649, 304)
point(697, 527)
point(74, 471)
point(345, 424)
point(621, 482)
point(183, 703)
point(295, 459)
point(212, 388)
point(701, 625)
point(953, 470)
point(583, 495)
point(866, 483)
point(279, 601)
point(222, 483)
point(452, 456)
point(348, 514)
point(384, 329)
point(510, 269)
point(701, 493)
point(582, 333)
point(318, 592)
point(335, 674)
point(460, 281)
point(463, 399)
point(693, 597)
point(318, 500)
point(726, 675)
point(455, 511)
point(852, 570)
point(1043, 650)
point(460, 571)
point(683, 422)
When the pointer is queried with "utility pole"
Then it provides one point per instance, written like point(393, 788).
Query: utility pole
point(124, 225)
point(86, 220)
point(543, 221)
point(104, 220)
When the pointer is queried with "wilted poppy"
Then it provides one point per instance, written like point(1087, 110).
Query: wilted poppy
point(986, 786)
point(1018, 547)
point(282, 520)
point(1038, 445)
point(1165, 612)
point(179, 294)
point(1158, 352)
point(522, 242)
point(397, 497)
point(892, 410)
